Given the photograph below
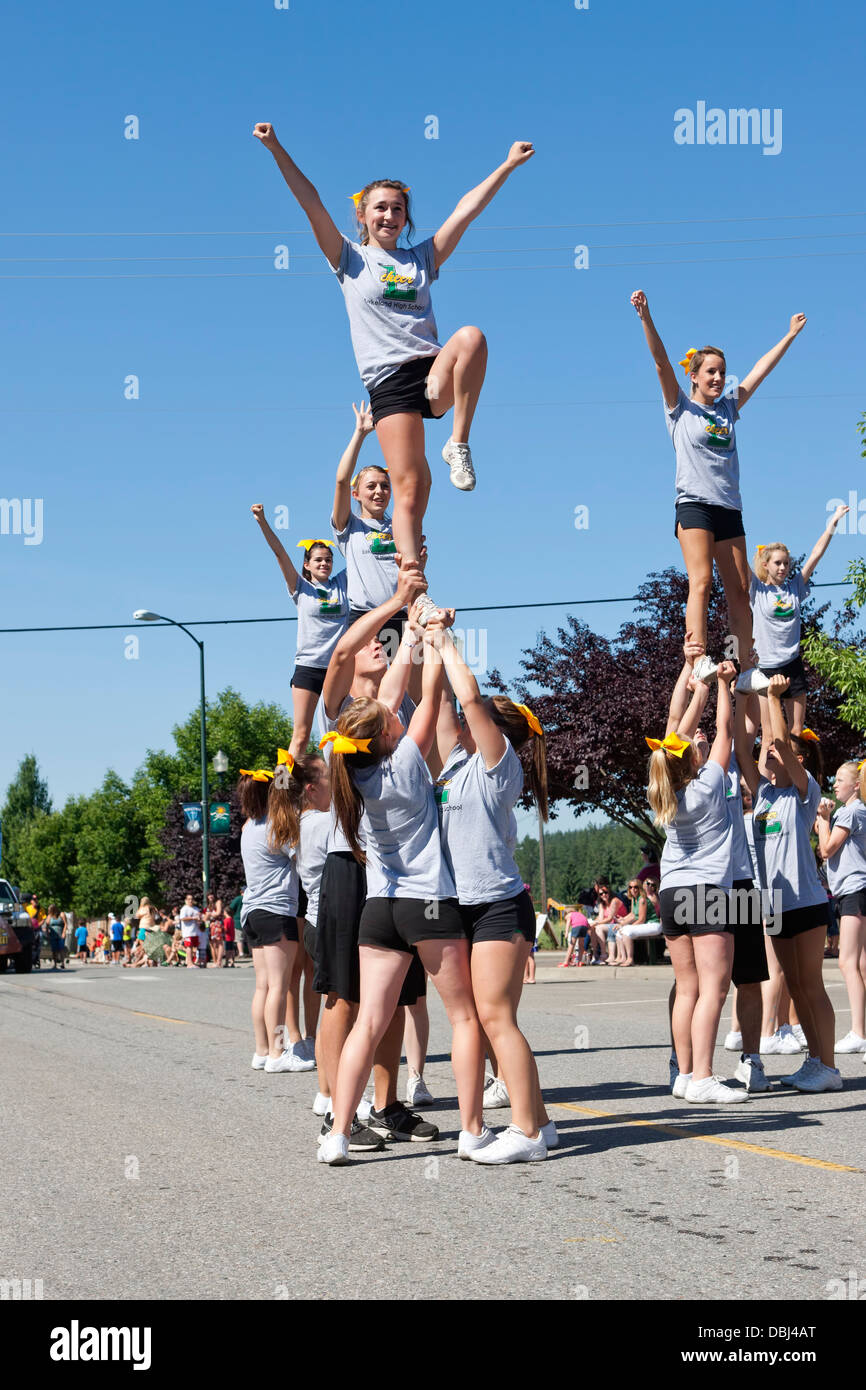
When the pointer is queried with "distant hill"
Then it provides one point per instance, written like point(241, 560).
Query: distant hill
point(575, 857)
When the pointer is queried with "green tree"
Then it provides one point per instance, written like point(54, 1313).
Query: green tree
point(843, 664)
point(112, 863)
point(49, 852)
point(26, 799)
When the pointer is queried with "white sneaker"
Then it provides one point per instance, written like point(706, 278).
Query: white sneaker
point(549, 1134)
point(734, 1042)
point(416, 1092)
point(469, 1144)
point(681, 1081)
point(751, 681)
point(495, 1096)
point(712, 1091)
point(289, 1061)
point(820, 1078)
point(673, 1071)
point(424, 606)
point(751, 1072)
point(779, 1043)
point(459, 460)
point(334, 1150)
point(795, 1032)
point(805, 1070)
point(512, 1146)
point(322, 1105)
point(258, 1063)
point(364, 1108)
point(705, 669)
point(852, 1042)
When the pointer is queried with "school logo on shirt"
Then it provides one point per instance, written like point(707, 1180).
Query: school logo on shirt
point(718, 433)
point(397, 286)
point(767, 823)
point(382, 543)
point(327, 607)
point(441, 794)
point(784, 607)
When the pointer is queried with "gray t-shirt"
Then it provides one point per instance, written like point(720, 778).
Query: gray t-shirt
point(740, 846)
point(387, 296)
point(776, 619)
point(782, 822)
point(703, 437)
point(749, 823)
point(846, 869)
point(371, 561)
point(404, 852)
point(311, 856)
point(323, 611)
point(337, 842)
point(476, 821)
point(699, 843)
point(271, 875)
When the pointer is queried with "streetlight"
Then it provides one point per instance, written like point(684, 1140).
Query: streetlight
point(220, 766)
point(144, 615)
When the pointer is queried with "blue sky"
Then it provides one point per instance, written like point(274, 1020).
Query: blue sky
point(246, 373)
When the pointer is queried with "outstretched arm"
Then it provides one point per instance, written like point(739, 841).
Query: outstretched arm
point(341, 667)
point(489, 738)
point(680, 697)
point(781, 736)
point(476, 200)
point(346, 467)
point(721, 750)
point(771, 359)
point(422, 726)
point(324, 230)
point(744, 745)
point(688, 725)
point(822, 542)
point(449, 731)
point(290, 574)
point(395, 681)
point(667, 375)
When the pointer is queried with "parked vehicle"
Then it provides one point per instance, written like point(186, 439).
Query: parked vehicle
point(14, 915)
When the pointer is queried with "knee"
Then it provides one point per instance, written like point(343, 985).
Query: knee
point(700, 584)
point(473, 340)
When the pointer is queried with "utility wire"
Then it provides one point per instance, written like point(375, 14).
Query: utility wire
point(227, 622)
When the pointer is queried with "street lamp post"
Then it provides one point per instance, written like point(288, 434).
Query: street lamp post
point(143, 615)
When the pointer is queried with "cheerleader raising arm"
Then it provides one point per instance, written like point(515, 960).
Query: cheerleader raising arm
point(667, 375)
point(290, 574)
point(781, 747)
point(822, 542)
point(721, 750)
point(744, 745)
point(475, 201)
point(341, 669)
point(324, 229)
point(346, 467)
point(771, 359)
point(680, 698)
point(487, 737)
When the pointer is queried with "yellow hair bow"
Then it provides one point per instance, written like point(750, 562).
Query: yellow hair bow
point(342, 744)
point(260, 774)
point(379, 467)
point(356, 197)
point(861, 764)
point(686, 361)
point(316, 540)
point(762, 547)
point(284, 756)
point(672, 743)
point(810, 736)
point(531, 719)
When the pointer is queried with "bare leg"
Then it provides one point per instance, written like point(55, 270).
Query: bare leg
point(733, 566)
point(714, 954)
point(447, 964)
point(386, 1060)
point(382, 976)
point(852, 963)
point(749, 1005)
point(417, 1036)
point(697, 548)
point(337, 1020)
point(683, 999)
point(278, 961)
point(402, 441)
point(771, 992)
point(304, 704)
point(457, 377)
point(293, 998)
point(494, 965)
point(801, 959)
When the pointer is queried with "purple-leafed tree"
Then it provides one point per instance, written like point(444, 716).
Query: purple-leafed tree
point(598, 698)
point(181, 868)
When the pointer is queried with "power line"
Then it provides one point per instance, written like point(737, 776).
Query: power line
point(230, 622)
point(460, 251)
point(492, 227)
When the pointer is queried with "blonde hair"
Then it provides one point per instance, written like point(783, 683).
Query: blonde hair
point(364, 718)
point(762, 555)
point(361, 206)
point(370, 468)
point(667, 776)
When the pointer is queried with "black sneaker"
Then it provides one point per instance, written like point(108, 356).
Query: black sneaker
point(361, 1139)
point(396, 1122)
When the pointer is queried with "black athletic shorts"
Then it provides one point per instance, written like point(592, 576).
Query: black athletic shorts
point(389, 634)
point(500, 921)
point(796, 673)
point(302, 902)
point(268, 928)
point(399, 924)
point(309, 678)
point(724, 522)
point(851, 905)
point(750, 954)
point(342, 895)
point(310, 940)
point(685, 910)
point(404, 392)
point(798, 920)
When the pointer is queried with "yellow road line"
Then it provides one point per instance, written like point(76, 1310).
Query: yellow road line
point(162, 1018)
point(678, 1133)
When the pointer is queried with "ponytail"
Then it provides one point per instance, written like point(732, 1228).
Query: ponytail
point(286, 799)
point(509, 717)
point(364, 719)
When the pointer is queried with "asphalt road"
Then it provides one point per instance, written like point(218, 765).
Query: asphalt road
point(150, 1161)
